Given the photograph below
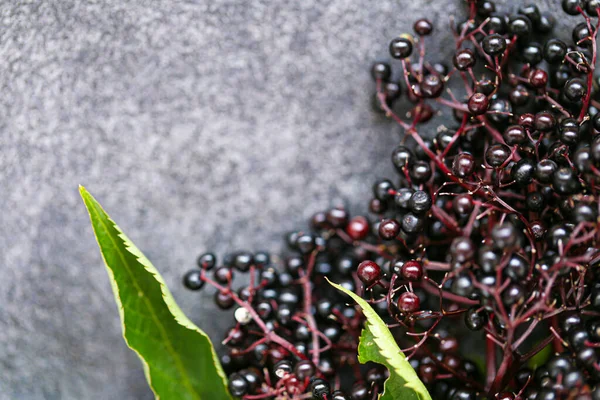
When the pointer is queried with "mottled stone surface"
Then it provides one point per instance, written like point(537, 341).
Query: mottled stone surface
point(198, 125)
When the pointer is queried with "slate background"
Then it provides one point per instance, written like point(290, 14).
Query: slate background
point(198, 125)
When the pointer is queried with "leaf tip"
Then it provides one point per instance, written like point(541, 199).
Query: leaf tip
point(83, 192)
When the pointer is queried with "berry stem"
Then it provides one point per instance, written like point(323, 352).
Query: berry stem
point(307, 294)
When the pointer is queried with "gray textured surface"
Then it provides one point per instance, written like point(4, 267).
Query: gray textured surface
point(198, 124)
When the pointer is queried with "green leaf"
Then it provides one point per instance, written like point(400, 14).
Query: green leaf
point(378, 345)
point(541, 357)
point(178, 358)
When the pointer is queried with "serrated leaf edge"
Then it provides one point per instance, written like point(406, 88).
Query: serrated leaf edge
point(92, 205)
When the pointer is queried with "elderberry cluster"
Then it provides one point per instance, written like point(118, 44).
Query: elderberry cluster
point(481, 255)
point(294, 334)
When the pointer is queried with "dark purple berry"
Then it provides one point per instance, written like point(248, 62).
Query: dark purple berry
point(401, 47)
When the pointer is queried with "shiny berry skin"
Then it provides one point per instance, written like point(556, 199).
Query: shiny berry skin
point(463, 204)
point(564, 181)
point(304, 370)
point(358, 228)
point(462, 249)
point(522, 172)
point(420, 202)
point(339, 395)
point(402, 157)
point(581, 35)
point(520, 26)
point(320, 389)
point(532, 54)
point(555, 51)
point(485, 8)
point(431, 86)
point(493, 44)
point(593, 328)
point(544, 121)
point(337, 217)
point(238, 386)
point(478, 104)
point(463, 394)
point(515, 134)
point(595, 149)
point(224, 300)
point(519, 96)
point(487, 259)
point(476, 318)
point(440, 68)
point(408, 302)
point(427, 373)
point(570, 6)
point(497, 23)
point(382, 189)
point(412, 270)
point(545, 170)
point(532, 12)
point(381, 70)
point(526, 120)
point(575, 89)
point(504, 235)
point(420, 172)
point(463, 165)
point(377, 206)
point(485, 86)
point(305, 243)
point(243, 260)
point(517, 268)
point(571, 322)
point(369, 272)
point(359, 392)
point(192, 280)
point(591, 7)
point(577, 338)
point(402, 198)
point(538, 78)
point(412, 223)
point(423, 27)
point(587, 357)
point(546, 24)
point(389, 229)
point(497, 154)
point(513, 294)
point(207, 261)
point(502, 108)
point(392, 91)
point(262, 258)
point(253, 377)
point(319, 222)
point(568, 131)
point(464, 59)
point(401, 47)
point(223, 275)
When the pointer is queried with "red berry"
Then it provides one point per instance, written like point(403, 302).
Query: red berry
point(526, 120)
point(412, 270)
point(538, 78)
point(478, 104)
point(423, 27)
point(358, 228)
point(369, 272)
point(389, 229)
point(409, 302)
